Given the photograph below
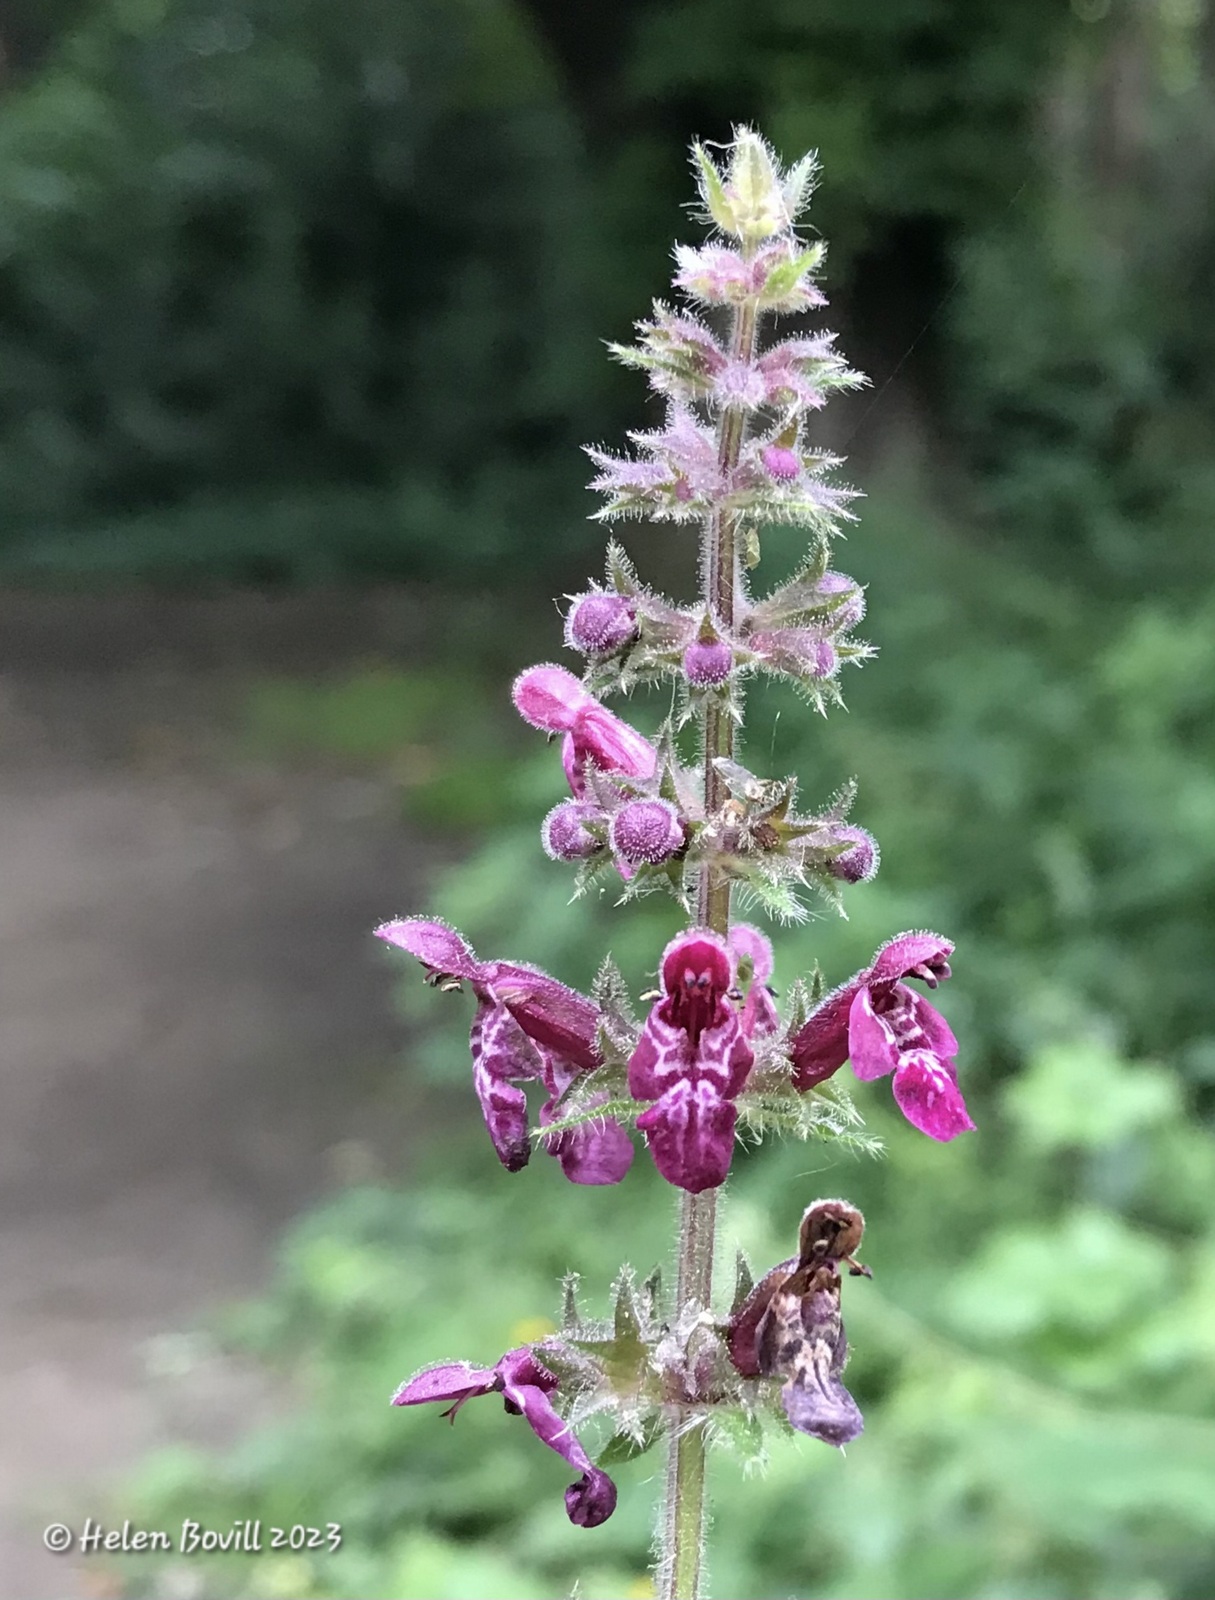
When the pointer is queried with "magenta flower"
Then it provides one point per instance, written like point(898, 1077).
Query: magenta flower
point(692, 1059)
point(525, 1386)
point(718, 275)
point(886, 1027)
point(551, 698)
point(798, 652)
point(527, 1026)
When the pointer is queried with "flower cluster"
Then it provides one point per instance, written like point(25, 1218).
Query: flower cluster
point(691, 1062)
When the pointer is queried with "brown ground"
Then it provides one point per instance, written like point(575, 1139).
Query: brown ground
point(194, 1022)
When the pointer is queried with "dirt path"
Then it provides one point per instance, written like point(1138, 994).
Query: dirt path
point(194, 1022)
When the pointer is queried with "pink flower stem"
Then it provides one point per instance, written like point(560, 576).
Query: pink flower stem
point(681, 1559)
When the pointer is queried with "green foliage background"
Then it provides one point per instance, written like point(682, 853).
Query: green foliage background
point(293, 292)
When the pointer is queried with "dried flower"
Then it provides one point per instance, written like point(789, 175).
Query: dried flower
point(790, 1326)
point(525, 1385)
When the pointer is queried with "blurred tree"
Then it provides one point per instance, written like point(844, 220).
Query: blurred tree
point(249, 249)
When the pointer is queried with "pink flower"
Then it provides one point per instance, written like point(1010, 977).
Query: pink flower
point(598, 1152)
point(886, 1027)
point(692, 1059)
point(525, 1385)
point(527, 1026)
point(797, 652)
point(759, 1014)
point(551, 698)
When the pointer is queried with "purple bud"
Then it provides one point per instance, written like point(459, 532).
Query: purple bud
point(859, 862)
point(599, 624)
point(780, 462)
point(564, 835)
point(646, 832)
point(707, 662)
point(850, 611)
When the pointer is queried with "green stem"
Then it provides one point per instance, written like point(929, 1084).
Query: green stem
point(683, 1530)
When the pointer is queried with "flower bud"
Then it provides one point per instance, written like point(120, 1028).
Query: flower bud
point(707, 663)
point(564, 834)
point(800, 652)
point(599, 624)
point(780, 462)
point(859, 862)
point(850, 611)
point(646, 832)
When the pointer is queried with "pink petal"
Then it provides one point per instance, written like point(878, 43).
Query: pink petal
point(436, 945)
point(454, 1380)
point(592, 1499)
point(501, 1051)
point(557, 1017)
point(751, 945)
point(938, 1035)
point(820, 1045)
point(593, 1153)
point(612, 745)
point(872, 1044)
point(550, 698)
point(690, 1132)
point(663, 1056)
point(902, 955)
point(928, 1096)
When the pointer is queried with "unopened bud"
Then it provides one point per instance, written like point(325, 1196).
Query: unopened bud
point(780, 462)
point(599, 624)
point(646, 832)
point(859, 862)
point(564, 833)
point(851, 610)
point(707, 662)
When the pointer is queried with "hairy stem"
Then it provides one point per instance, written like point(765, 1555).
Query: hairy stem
point(683, 1530)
